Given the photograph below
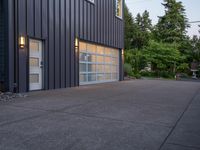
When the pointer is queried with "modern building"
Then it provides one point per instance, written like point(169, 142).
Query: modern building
point(51, 44)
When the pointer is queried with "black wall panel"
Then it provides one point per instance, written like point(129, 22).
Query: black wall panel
point(2, 43)
point(58, 23)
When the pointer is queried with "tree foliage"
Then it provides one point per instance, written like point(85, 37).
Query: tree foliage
point(164, 47)
point(143, 28)
point(162, 56)
point(172, 26)
point(129, 28)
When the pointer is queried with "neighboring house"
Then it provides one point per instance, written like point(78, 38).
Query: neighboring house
point(51, 44)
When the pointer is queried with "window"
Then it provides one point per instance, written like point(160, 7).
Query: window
point(118, 8)
point(98, 64)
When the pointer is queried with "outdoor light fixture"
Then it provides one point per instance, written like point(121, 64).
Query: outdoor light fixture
point(22, 42)
point(76, 43)
point(122, 51)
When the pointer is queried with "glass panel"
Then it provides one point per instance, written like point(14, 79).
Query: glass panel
point(108, 51)
point(115, 76)
point(91, 77)
point(108, 60)
point(34, 46)
point(114, 52)
point(91, 67)
point(91, 58)
point(100, 50)
point(107, 68)
point(115, 69)
point(34, 78)
point(108, 76)
point(100, 77)
point(83, 57)
point(83, 77)
point(34, 62)
point(100, 59)
point(100, 68)
point(82, 47)
point(91, 48)
point(115, 61)
point(83, 67)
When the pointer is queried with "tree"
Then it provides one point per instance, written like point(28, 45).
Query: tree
point(135, 58)
point(129, 28)
point(162, 56)
point(172, 26)
point(196, 48)
point(142, 32)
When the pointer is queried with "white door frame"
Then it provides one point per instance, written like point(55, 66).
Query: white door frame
point(35, 64)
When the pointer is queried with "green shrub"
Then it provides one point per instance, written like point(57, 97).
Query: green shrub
point(127, 69)
point(136, 75)
point(148, 74)
point(166, 74)
point(163, 74)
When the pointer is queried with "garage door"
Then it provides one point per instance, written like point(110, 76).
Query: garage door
point(98, 64)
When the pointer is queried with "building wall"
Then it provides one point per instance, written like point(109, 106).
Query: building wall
point(2, 46)
point(57, 23)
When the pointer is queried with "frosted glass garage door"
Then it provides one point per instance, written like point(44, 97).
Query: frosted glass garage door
point(98, 64)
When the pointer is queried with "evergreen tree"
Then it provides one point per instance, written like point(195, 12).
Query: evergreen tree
point(196, 48)
point(172, 26)
point(129, 28)
point(143, 28)
point(146, 24)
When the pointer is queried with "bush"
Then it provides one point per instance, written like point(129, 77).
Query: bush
point(136, 75)
point(164, 74)
point(148, 74)
point(127, 69)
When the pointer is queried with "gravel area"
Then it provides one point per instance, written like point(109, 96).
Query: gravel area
point(8, 96)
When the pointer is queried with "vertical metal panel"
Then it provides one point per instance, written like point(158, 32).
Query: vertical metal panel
point(92, 22)
point(81, 12)
point(38, 17)
point(77, 24)
point(3, 46)
point(22, 52)
point(72, 50)
point(45, 25)
point(57, 44)
point(85, 20)
point(11, 45)
point(68, 43)
point(98, 3)
point(62, 44)
point(30, 18)
point(51, 38)
point(88, 22)
point(44, 19)
point(96, 21)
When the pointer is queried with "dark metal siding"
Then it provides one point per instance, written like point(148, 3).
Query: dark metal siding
point(57, 23)
point(3, 46)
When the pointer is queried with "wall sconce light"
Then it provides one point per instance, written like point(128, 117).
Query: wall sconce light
point(22, 42)
point(122, 51)
point(76, 43)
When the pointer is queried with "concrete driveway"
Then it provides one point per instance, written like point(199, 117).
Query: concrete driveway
point(130, 115)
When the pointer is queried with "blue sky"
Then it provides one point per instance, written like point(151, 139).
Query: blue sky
point(156, 9)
